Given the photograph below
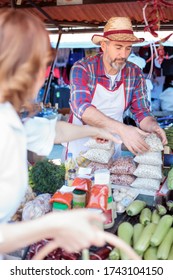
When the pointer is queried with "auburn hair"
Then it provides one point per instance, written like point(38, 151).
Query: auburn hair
point(24, 50)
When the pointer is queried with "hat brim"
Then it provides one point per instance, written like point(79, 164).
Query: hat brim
point(97, 39)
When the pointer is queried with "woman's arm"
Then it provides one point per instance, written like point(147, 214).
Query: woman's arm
point(67, 132)
point(71, 230)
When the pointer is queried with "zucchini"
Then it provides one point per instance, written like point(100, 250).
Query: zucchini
point(144, 240)
point(125, 232)
point(150, 253)
point(160, 204)
point(145, 216)
point(135, 207)
point(137, 230)
point(161, 209)
point(170, 256)
point(114, 254)
point(165, 245)
point(161, 230)
point(155, 217)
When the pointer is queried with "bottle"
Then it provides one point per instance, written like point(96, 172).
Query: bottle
point(71, 176)
point(69, 164)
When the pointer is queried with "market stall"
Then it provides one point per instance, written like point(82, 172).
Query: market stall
point(133, 192)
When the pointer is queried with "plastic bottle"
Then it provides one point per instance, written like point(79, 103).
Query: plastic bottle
point(69, 164)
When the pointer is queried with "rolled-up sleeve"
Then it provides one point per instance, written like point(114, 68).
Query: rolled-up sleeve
point(140, 106)
point(40, 133)
point(81, 93)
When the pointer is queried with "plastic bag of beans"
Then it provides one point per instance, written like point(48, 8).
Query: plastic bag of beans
point(145, 183)
point(93, 144)
point(148, 171)
point(123, 180)
point(150, 158)
point(154, 142)
point(123, 165)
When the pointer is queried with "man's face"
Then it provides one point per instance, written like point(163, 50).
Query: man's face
point(115, 54)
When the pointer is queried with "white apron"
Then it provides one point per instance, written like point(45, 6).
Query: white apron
point(109, 102)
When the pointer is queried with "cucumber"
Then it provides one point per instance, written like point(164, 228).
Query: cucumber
point(135, 207)
point(170, 256)
point(165, 245)
point(114, 254)
point(137, 230)
point(144, 240)
point(145, 216)
point(155, 217)
point(125, 232)
point(150, 253)
point(161, 230)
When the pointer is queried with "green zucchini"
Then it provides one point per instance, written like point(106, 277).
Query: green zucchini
point(150, 253)
point(137, 230)
point(161, 209)
point(144, 240)
point(155, 217)
point(135, 207)
point(125, 232)
point(161, 230)
point(165, 245)
point(145, 216)
point(114, 254)
point(170, 256)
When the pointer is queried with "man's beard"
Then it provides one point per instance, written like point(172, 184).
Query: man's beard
point(117, 66)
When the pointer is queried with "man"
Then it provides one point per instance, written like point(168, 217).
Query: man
point(104, 86)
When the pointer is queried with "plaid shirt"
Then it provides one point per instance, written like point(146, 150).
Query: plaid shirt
point(89, 71)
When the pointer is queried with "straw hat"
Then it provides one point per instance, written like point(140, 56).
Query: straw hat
point(117, 29)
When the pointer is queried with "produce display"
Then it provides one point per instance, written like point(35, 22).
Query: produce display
point(148, 230)
point(148, 233)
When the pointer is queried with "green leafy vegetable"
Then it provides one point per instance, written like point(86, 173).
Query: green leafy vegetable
point(46, 177)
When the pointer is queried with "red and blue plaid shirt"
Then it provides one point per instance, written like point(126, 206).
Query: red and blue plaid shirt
point(89, 71)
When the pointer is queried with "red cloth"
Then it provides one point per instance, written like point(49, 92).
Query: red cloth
point(56, 72)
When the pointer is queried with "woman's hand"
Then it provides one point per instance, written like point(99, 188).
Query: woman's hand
point(75, 230)
point(103, 136)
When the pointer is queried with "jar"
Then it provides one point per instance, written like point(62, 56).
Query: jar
point(109, 214)
point(71, 176)
point(79, 199)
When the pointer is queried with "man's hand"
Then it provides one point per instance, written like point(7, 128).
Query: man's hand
point(150, 125)
point(160, 133)
point(133, 139)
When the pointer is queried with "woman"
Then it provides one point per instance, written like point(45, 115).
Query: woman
point(24, 55)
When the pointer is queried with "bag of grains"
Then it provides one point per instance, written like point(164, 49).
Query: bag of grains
point(149, 158)
point(154, 142)
point(123, 165)
point(99, 155)
point(146, 183)
point(93, 144)
point(123, 179)
point(148, 171)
